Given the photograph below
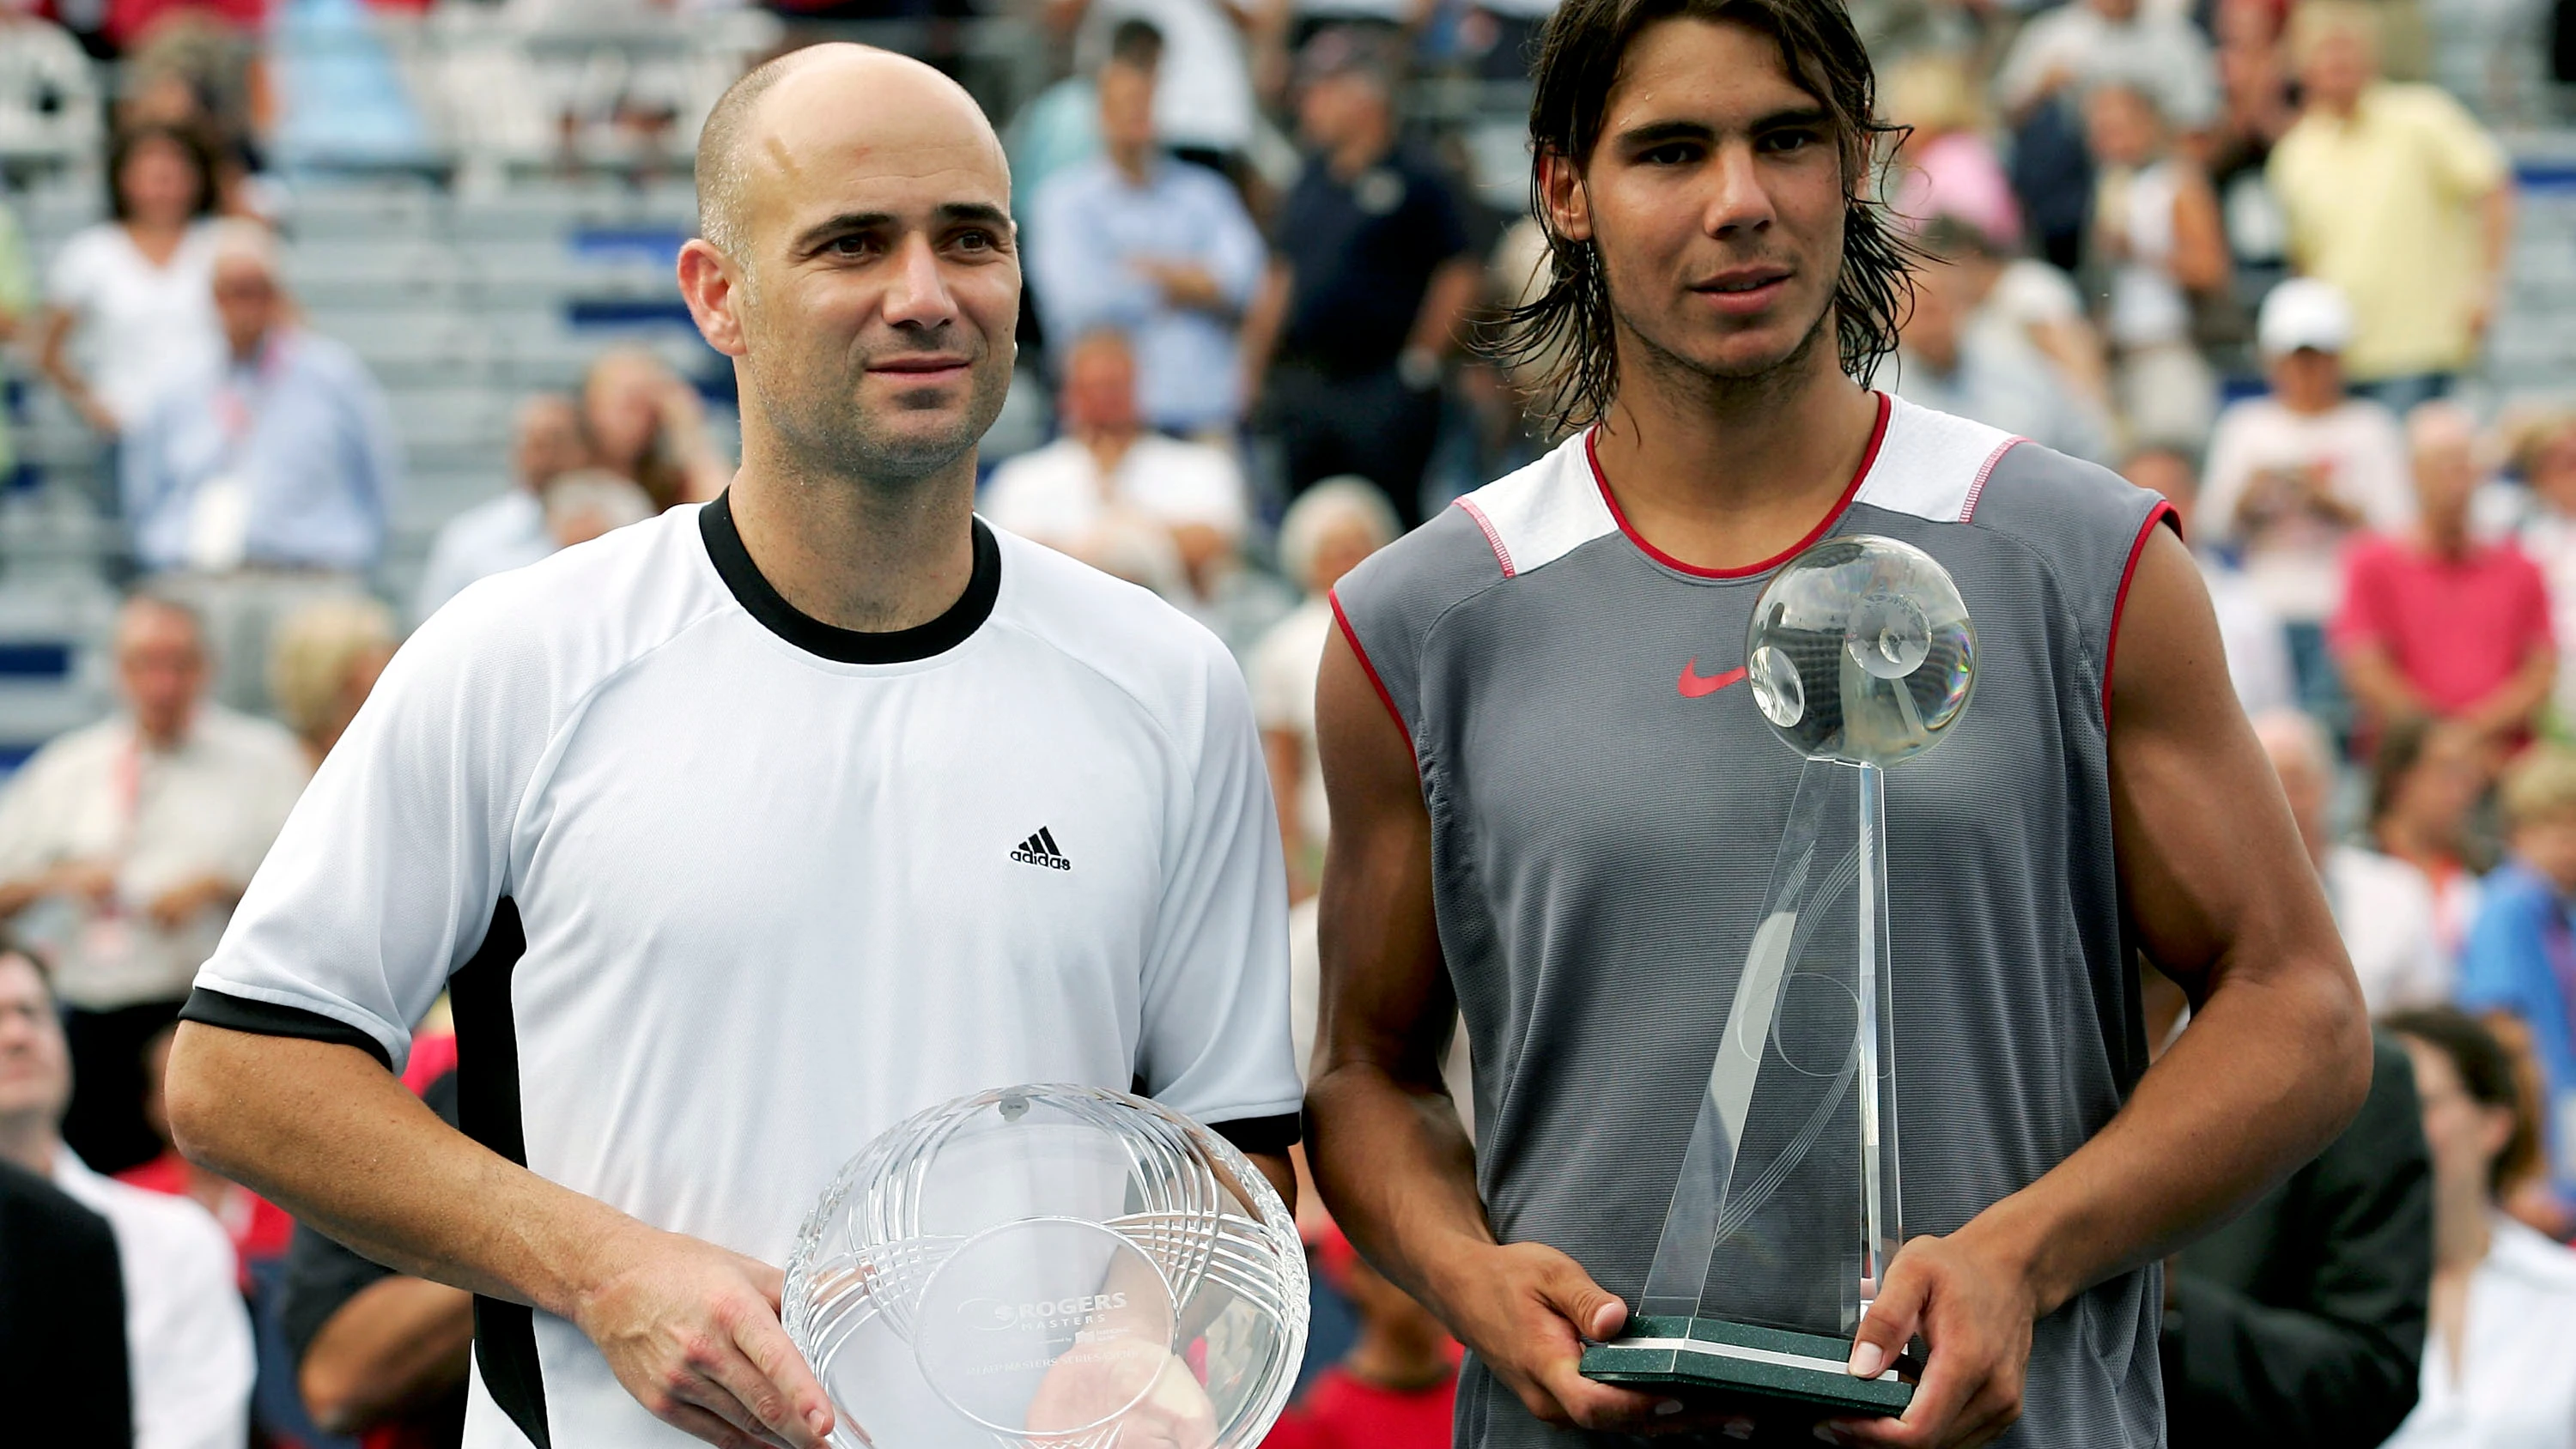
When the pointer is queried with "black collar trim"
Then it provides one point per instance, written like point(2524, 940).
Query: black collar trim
point(848, 646)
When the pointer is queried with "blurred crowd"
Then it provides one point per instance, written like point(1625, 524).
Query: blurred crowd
point(2240, 251)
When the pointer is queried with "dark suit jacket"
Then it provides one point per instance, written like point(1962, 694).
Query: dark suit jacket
point(2302, 1322)
point(63, 1373)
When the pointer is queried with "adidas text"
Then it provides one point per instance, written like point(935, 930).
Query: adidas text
point(1040, 850)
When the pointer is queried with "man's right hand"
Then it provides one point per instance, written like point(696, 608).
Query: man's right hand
point(692, 1331)
point(1527, 1309)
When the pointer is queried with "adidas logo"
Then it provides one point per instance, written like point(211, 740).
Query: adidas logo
point(1039, 849)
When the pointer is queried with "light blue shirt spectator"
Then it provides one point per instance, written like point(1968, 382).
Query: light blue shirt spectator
point(287, 459)
point(2521, 958)
point(1090, 227)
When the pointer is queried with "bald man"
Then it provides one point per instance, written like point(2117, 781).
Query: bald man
point(739, 835)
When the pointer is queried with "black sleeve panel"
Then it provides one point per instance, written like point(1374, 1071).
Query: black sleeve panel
point(235, 1013)
point(1270, 1136)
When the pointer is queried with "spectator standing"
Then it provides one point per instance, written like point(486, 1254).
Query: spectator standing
point(324, 663)
point(2499, 1367)
point(1202, 92)
point(2397, 196)
point(2069, 50)
point(2158, 236)
point(1960, 357)
point(2258, 653)
point(129, 301)
point(508, 531)
point(136, 836)
point(2295, 473)
point(1371, 275)
point(2544, 457)
point(63, 1367)
point(1155, 247)
point(1397, 1387)
point(261, 478)
point(187, 1335)
point(2522, 948)
point(1109, 472)
point(2437, 622)
point(2426, 779)
point(1324, 535)
point(647, 425)
point(1944, 165)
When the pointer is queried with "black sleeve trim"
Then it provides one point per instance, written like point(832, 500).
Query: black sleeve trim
point(1271, 1136)
point(265, 1018)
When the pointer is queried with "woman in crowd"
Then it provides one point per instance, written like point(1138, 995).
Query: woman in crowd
point(648, 426)
point(132, 298)
point(2425, 784)
point(323, 664)
point(2157, 234)
point(2500, 1358)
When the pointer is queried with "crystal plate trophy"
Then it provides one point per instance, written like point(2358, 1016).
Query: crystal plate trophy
point(1050, 1267)
point(1860, 655)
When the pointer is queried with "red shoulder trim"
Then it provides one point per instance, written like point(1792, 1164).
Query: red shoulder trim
point(2162, 513)
point(1357, 649)
point(1860, 475)
point(1502, 555)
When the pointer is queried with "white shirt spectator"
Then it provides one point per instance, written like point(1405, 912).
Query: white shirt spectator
point(2516, 1387)
point(490, 538)
point(2163, 54)
point(1284, 666)
point(136, 324)
point(2385, 910)
point(2258, 654)
point(2362, 452)
point(1056, 495)
point(187, 1334)
point(98, 793)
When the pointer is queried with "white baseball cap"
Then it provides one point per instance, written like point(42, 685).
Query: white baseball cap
point(2304, 312)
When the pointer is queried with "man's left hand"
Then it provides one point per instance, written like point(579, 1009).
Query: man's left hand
point(1974, 1306)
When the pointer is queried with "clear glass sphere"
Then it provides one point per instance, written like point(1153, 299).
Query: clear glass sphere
point(1050, 1267)
point(1861, 649)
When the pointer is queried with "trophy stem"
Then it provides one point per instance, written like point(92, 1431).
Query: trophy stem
point(1872, 940)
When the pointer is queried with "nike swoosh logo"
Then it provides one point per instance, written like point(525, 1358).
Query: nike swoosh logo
point(1695, 685)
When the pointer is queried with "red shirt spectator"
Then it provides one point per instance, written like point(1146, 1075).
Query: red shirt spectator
point(2437, 624)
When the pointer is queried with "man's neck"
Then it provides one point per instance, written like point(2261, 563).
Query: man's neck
point(1723, 474)
point(30, 1143)
point(2445, 540)
point(1108, 447)
point(855, 554)
point(1135, 163)
point(1366, 147)
point(246, 354)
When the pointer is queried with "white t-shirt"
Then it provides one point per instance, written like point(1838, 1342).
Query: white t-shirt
point(160, 819)
point(733, 899)
point(492, 537)
point(187, 1336)
point(1056, 495)
point(2297, 564)
point(2258, 653)
point(2516, 1388)
point(135, 324)
point(2384, 908)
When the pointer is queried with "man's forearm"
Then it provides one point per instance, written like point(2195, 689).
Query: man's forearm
point(1399, 1171)
point(331, 1136)
point(2237, 1103)
point(400, 1342)
point(1444, 306)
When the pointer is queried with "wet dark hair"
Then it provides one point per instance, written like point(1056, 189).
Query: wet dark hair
point(2486, 1073)
point(1566, 337)
point(201, 159)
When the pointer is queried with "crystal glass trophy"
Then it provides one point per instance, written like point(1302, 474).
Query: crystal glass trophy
point(1050, 1267)
point(1860, 655)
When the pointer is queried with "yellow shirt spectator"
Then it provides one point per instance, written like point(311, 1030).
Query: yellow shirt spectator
point(2384, 204)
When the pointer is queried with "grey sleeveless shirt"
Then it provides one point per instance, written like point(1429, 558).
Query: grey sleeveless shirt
point(1605, 800)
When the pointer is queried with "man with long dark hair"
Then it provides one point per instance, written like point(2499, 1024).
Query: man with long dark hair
point(1553, 809)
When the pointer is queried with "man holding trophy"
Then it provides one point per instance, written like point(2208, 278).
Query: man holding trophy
point(1621, 758)
point(741, 836)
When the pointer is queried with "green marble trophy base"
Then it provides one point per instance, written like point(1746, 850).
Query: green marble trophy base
point(1741, 1360)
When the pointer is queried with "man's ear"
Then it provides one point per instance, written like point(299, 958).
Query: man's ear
point(711, 285)
point(1569, 206)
